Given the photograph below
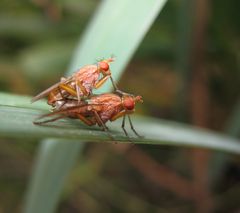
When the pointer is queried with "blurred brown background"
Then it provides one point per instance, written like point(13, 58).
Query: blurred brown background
point(187, 70)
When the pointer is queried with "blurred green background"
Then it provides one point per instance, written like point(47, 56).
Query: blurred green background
point(186, 69)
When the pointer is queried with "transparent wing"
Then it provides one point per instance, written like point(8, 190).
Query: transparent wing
point(47, 91)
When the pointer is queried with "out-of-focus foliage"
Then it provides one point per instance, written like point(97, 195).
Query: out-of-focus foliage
point(36, 43)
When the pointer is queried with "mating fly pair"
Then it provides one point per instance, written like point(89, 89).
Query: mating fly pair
point(72, 97)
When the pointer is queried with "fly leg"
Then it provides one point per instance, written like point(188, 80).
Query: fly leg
point(123, 114)
point(60, 91)
point(123, 126)
point(78, 92)
point(118, 115)
point(101, 81)
point(81, 90)
point(116, 88)
point(105, 128)
point(104, 79)
point(47, 121)
point(69, 89)
point(99, 121)
point(114, 84)
point(63, 98)
point(131, 125)
point(85, 120)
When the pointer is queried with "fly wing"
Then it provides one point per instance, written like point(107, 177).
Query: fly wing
point(79, 108)
point(108, 99)
point(47, 91)
point(72, 112)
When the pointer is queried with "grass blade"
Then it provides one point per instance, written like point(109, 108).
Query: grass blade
point(17, 122)
point(117, 28)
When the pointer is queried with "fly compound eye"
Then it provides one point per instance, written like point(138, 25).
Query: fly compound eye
point(104, 66)
point(128, 103)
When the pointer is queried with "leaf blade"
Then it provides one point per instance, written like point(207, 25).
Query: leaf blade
point(155, 131)
point(105, 41)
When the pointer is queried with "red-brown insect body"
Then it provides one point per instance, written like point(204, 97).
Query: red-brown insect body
point(110, 104)
point(106, 105)
point(97, 110)
point(71, 97)
point(79, 85)
point(87, 76)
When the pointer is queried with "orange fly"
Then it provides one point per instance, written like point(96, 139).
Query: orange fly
point(97, 110)
point(80, 84)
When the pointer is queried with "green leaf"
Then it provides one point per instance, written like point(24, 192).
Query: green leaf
point(17, 122)
point(116, 28)
point(21, 101)
point(46, 59)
